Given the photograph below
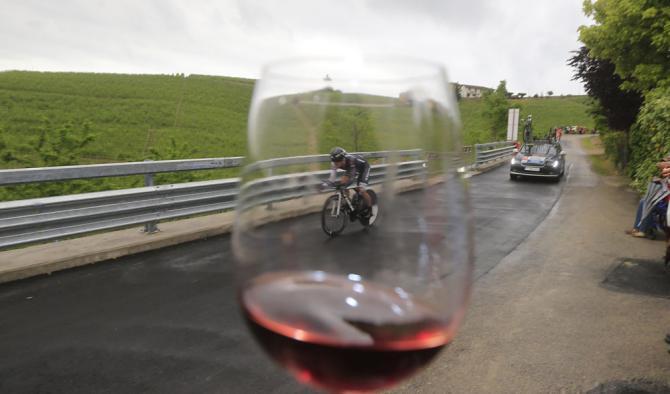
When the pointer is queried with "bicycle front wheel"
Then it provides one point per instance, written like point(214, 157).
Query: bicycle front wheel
point(333, 220)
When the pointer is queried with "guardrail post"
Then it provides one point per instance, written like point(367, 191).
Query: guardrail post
point(424, 172)
point(269, 206)
point(150, 227)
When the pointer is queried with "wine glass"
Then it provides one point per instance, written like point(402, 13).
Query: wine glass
point(364, 307)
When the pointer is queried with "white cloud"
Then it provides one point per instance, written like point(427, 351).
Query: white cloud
point(480, 41)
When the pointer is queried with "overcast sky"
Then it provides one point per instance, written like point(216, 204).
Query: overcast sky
point(480, 42)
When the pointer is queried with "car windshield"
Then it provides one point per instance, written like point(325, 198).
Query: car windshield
point(539, 150)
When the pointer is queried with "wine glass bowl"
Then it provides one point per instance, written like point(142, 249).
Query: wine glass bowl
point(365, 309)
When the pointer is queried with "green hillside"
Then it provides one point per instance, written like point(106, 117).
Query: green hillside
point(547, 112)
point(138, 117)
point(130, 114)
point(556, 111)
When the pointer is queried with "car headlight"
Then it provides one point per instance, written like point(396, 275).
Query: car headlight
point(556, 163)
point(514, 161)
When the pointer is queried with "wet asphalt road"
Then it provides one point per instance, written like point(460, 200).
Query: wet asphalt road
point(167, 321)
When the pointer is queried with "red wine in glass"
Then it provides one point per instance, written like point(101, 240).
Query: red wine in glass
point(340, 333)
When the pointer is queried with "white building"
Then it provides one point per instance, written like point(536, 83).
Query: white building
point(473, 91)
point(466, 91)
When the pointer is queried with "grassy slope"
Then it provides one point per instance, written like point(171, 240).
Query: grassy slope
point(474, 125)
point(128, 113)
point(132, 113)
point(547, 113)
point(595, 151)
point(555, 111)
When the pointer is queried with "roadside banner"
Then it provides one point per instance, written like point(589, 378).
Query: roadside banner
point(513, 124)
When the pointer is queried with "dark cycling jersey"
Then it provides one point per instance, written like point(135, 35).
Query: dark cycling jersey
point(355, 167)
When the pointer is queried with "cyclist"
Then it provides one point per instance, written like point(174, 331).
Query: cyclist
point(355, 169)
point(528, 130)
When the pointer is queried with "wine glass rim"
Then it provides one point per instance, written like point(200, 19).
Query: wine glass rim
point(437, 69)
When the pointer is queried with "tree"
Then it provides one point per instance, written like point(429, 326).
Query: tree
point(614, 109)
point(349, 127)
point(174, 151)
point(63, 146)
point(629, 43)
point(360, 124)
point(457, 91)
point(495, 110)
point(633, 35)
point(60, 146)
point(550, 93)
point(615, 105)
point(650, 137)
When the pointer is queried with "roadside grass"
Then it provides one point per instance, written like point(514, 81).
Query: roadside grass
point(594, 150)
point(589, 145)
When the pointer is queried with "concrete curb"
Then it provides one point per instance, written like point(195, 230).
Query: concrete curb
point(55, 256)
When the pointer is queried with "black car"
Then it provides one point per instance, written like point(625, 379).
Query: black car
point(538, 160)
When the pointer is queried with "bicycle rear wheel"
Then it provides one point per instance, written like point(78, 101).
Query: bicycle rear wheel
point(333, 222)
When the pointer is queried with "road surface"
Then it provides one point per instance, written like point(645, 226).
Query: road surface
point(167, 321)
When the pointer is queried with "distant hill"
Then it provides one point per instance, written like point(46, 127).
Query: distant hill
point(133, 114)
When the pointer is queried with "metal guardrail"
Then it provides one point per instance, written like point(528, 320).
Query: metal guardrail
point(297, 160)
point(41, 219)
point(47, 174)
point(65, 173)
point(286, 187)
point(485, 153)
